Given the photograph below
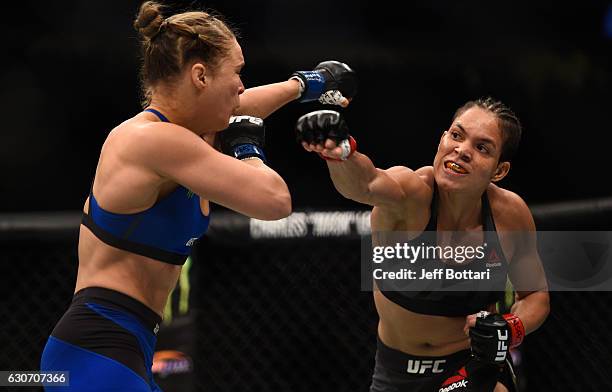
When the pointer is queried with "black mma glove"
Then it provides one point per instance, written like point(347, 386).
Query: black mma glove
point(244, 138)
point(494, 334)
point(316, 127)
point(329, 83)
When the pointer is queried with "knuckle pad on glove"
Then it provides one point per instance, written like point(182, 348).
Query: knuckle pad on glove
point(305, 129)
point(316, 127)
point(339, 76)
point(340, 132)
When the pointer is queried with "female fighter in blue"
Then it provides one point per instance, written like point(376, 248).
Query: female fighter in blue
point(150, 197)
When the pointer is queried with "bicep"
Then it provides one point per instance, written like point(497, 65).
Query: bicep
point(213, 175)
point(526, 270)
point(188, 160)
point(527, 273)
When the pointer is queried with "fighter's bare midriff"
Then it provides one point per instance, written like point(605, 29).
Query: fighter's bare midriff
point(142, 278)
point(419, 334)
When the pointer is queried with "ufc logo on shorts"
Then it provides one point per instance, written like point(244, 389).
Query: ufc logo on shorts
point(416, 366)
point(502, 345)
point(252, 120)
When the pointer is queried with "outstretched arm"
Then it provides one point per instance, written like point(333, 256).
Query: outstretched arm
point(353, 174)
point(331, 82)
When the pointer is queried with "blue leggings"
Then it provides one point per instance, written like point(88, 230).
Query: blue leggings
point(106, 341)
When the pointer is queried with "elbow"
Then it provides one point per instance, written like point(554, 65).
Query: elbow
point(281, 199)
point(279, 207)
point(284, 206)
point(545, 306)
point(269, 197)
point(535, 308)
point(278, 202)
point(544, 312)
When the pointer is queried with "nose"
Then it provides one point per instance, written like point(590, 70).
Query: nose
point(463, 152)
point(240, 88)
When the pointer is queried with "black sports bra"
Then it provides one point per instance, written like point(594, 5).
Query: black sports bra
point(467, 301)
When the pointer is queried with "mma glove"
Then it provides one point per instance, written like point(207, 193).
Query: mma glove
point(494, 334)
point(329, 83)
point(316, 127)
point(244, 138)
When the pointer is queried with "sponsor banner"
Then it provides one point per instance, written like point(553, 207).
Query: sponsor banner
point(313, 224)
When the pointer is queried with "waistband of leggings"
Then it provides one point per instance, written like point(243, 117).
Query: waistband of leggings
point(119, 301)
point(402, 362)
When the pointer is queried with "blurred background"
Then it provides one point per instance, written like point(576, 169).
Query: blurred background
point(278, 314)
point(69, 74)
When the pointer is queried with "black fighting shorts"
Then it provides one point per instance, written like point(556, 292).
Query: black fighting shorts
point(396, 371)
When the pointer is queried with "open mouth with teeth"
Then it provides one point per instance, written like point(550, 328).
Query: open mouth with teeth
point(454, 167)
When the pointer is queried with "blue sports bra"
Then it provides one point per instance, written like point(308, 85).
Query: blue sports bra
point(164, 232)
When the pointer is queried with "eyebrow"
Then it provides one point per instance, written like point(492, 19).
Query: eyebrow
point(487, 141)
point(480, 139)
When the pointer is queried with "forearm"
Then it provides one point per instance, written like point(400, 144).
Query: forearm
point(275, 199)
point(353, 174)
point(532, 309)
point(352, 177)
point(264, 100)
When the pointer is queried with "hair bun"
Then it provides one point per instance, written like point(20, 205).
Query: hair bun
point(149, 19)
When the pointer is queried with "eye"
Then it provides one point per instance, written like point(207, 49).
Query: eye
point(482, 148)
point(455, 135)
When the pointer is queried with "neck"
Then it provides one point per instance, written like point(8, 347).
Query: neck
point(459, 211)
point(178, 109)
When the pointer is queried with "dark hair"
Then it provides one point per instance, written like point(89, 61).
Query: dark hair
point(508, 122)
point(169, 44)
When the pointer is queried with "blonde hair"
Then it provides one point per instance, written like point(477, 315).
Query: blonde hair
point(168, 44)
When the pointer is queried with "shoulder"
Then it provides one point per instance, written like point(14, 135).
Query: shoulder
point(414, 209)
point(144, 140)
point(417, 178)
point(509, 209)
point(426, 173)
point(147, 132)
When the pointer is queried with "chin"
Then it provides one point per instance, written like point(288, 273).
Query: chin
point(450, 183)
point(225, 120)
point(221, 125)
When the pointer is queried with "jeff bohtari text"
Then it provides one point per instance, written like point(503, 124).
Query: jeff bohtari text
point(435, 274)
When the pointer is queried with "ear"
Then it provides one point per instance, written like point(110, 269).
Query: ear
point(502, 171)
point(198, 75)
